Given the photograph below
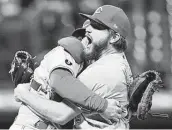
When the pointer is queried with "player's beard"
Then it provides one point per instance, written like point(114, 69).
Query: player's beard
point(91, 53)
point(94, 52)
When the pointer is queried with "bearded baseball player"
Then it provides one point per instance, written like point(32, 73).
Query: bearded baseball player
point(58, 68)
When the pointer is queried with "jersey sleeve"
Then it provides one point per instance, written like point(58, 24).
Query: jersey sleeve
point(56, 58)
point(59, 58)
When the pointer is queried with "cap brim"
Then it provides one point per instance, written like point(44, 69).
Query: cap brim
point(93, 19)
point(86, 16)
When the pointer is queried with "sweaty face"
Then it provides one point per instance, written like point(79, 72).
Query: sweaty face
point(95, 40)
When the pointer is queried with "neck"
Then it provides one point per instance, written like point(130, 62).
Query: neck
point(107, 51)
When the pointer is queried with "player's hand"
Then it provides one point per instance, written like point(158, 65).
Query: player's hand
point(113, 111)
point(20, 91)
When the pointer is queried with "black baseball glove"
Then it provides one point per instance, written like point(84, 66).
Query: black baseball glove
point(79, 33)
point(141, 92)
point(22, 67)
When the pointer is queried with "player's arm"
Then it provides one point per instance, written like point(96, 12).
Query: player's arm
point(58, 112)
point(68, 87)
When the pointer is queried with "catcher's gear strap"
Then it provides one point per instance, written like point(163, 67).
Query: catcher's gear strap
point(74, 47)
point(69, 87)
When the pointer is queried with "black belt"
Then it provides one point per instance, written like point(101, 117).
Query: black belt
point(35, 85)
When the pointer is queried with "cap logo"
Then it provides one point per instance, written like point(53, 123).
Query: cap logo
point(99, 10)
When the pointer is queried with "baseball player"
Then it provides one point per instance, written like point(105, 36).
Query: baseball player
point(58, 68)
point(107, 30)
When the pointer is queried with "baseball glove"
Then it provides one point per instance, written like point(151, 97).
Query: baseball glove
point(141, 92)
point(22, 67)
point(79, 33)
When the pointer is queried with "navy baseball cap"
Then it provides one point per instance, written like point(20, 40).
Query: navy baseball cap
point(112, 17)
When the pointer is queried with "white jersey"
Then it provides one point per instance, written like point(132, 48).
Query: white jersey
point(108, 77)
point(56, 58)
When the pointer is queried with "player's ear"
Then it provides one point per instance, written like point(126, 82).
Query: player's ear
point(114, 38)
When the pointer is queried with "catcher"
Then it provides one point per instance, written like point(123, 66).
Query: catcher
point(63, 63)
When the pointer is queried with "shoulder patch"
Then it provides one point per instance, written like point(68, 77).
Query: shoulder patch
point(68, 62)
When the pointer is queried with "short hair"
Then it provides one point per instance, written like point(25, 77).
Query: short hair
point(121, 44)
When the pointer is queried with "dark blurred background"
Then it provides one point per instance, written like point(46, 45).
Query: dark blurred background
point(36, 25)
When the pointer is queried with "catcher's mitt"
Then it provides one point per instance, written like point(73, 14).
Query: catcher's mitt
point(22, 67)
point(141, 92)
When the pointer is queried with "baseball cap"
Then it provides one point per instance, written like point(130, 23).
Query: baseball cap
point(112, 17)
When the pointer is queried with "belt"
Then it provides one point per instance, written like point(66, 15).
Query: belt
point(35, 85)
